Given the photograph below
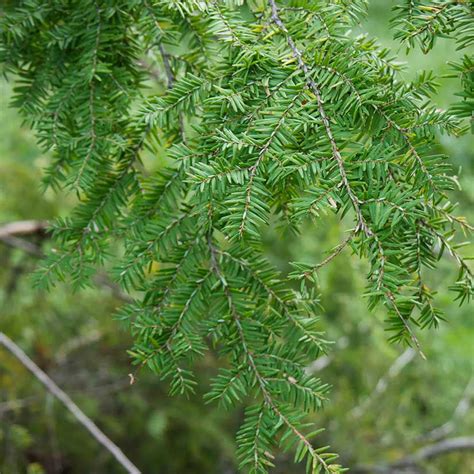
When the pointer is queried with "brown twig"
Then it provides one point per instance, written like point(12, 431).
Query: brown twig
point(11, 232)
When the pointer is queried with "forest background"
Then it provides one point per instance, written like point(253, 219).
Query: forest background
point(386, 402)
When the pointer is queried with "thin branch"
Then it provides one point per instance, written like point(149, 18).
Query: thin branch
point(452, 251)
point(461, 409)
point(22, 244)
point(92, 96)
point(254, 168)
point(431, 451)
point(171, 78)
point(394, 370)
point(166, 62)
point(26, 227)
point(410, 464)
point(336, 251)
point(319, 343)
point(10, 232)
point(405, 323)
point(80, 416)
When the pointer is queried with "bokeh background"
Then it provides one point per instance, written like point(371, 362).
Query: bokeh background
point(386, 402)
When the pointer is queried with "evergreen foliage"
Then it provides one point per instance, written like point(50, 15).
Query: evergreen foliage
point(268, 113)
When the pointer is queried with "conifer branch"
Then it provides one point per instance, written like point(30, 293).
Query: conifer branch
point(361, 222)
point(345, 134)
point(92, 92)
point(261, 380)
point(254, 168)
point(337, 250)
point(407, 326)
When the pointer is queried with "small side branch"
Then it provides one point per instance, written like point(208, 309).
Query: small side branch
point(80, 416)
point(398, 365)
point(166, 62)
point(336, 251)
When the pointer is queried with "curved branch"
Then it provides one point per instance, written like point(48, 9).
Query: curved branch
point(410, 464)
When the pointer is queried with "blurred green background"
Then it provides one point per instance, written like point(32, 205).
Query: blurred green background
point(385, 403)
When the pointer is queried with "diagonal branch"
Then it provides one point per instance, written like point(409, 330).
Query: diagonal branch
point(64, 398)
point(394, 370)
point(335, 252)
point(254, 168)
point(411, 463)
point(11, 234)
point(411, 333)
point(462, 408)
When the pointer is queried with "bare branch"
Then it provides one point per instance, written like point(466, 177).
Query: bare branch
point(168, 70)
point(446, 446)
point(411, 464)
point(9, 235)
point(11, 232)
point(80, 416)
point(461, 409)
point(394, 370)
point(22, 244)
point(26, 227)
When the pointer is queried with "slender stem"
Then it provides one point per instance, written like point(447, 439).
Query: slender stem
point(64, 398)
point(361, 223)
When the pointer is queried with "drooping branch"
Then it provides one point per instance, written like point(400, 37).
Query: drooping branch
point(261, 381)
point(361, 222)
point(356, 203)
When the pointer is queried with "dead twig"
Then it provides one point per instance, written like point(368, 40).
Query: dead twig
point(64, 398)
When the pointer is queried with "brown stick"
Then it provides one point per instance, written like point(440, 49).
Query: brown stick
point(13, 229)
point(11, 232)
